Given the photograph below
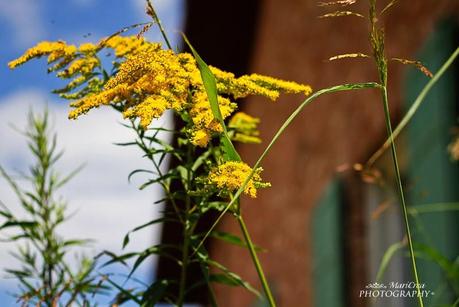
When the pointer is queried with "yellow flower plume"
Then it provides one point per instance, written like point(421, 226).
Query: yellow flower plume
point(150, 80)
point(231, 175)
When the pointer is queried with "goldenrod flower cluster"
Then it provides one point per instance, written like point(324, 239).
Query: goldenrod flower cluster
point(125, 45)
point(151, 80)
point(245, 128)
point(54, 51)
point(255, 84)
point(231, 175)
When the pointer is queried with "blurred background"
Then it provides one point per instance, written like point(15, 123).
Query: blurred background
point(324, 225)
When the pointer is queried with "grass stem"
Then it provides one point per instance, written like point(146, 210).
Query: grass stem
point(385, 101)
point(256, 262)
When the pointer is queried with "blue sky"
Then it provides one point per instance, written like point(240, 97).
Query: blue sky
point(25, 22)
point(106, 205)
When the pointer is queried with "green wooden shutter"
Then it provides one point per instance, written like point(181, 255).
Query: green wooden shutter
point(432, 176)
point(327, 234)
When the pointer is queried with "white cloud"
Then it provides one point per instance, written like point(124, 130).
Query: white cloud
point(106, 205)
point(25, 18)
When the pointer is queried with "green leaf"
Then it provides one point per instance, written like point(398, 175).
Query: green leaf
point(154, 293)
point(230, 152)
point(22, 224)
point(156, 221)
point(117, 259)
point(210, 85)
point(158, 180)
point(76, 242)
point(230, 278)
point(154, 250)
point(388, 254)
point(450, 268)
point(139, 171)
point(433, 208)
point(124, 292)
point(201, 159)
point(413, 108)
point(232, 239)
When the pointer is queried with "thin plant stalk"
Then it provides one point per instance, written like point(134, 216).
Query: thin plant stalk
point(401, 193)
point(377, 44)
point(184, 264)
point(187, 232)
point(151, 11)
point(414, 107)
point(256, 261)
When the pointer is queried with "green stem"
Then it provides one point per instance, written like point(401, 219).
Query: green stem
point(187, 229)
point(400, 190)
point(186, 233)
point(256, 262)
point(414, 107)
point(151, 11)
point(183, 274)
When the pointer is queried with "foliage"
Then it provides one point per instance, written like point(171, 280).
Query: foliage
point(45, 277)
point(205, 173)
point(143, 82)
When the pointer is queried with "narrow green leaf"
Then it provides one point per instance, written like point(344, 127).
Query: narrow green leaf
point(210, 85)
point(433, 208)
point(126, 240)
point(124, 292)
point(76, 242)
point(231, 239)
point(413, 109)
point(233, 276)
point(449, 267)
point(117, 259)
point(232, 279)
point(139, 171)
point(154, 293)
point(388, 254)
point(201, 159)
point(156, 221)
point(158, 180)
point(154, 250)
point(22, 224)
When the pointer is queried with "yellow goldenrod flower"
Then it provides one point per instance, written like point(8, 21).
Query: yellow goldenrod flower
point(115, 94)
point(54, 51)
point(202, 116)
point(245, 127)
point(150, 108)
point(278, 85)
point(87, 48)
point(200, 138)
point(124, 45)
point(255, 84)
point(231, 175)
point(82, 66)
point(151, 80)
